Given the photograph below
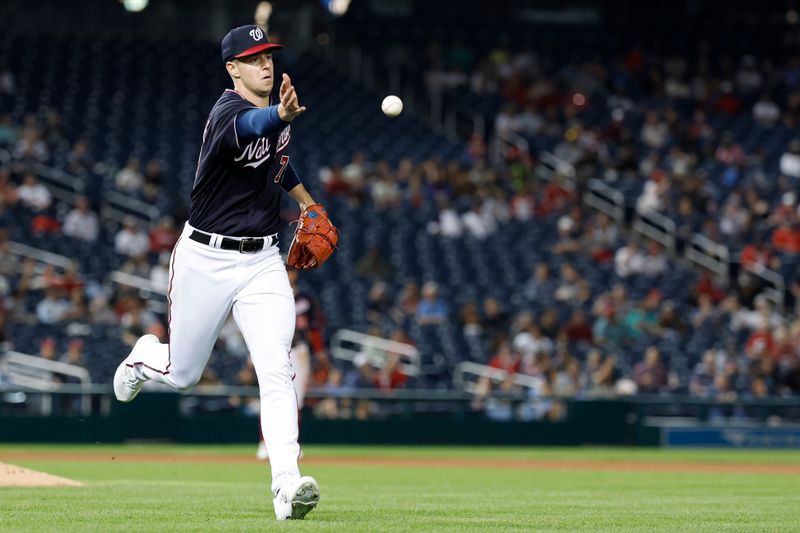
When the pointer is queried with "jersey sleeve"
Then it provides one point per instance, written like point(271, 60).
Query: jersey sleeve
point(225, 122)
point(289, 180)
point(254, 123)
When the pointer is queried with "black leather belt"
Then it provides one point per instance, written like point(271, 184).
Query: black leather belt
point(245, 245)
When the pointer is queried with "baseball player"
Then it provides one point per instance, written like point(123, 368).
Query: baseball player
point(227, 259)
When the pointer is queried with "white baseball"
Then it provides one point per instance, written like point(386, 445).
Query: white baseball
point(392, 106)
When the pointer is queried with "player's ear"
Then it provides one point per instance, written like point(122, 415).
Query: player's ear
point(232, 69)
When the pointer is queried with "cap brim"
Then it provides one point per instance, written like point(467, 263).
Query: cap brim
point(258, 48)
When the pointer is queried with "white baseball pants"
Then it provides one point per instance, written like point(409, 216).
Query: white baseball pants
point(205, 285)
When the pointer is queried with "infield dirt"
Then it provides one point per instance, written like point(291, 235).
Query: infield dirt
point(17, 476)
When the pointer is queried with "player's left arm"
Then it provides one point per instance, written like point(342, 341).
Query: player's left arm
point(301, 195)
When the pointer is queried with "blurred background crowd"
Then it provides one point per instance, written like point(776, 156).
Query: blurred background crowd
point(455, 242)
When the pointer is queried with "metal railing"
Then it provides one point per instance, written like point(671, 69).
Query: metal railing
point(657, 227)
point(708, 254)
point(64, 187)
point(37, 374)
point(499, 144)
point(775, 290)
point(346, 344)
point(699, 250)
point(43, 256)
point(117, 206)
point(550, 165)
point(467, 368)
point(154, 295)
point(606, 200)
point(137, 282)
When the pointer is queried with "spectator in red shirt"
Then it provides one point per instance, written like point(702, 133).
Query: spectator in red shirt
point(760, 344)
point(783, 348)
point(555, 196)
point(756, 256)
point(578, 328)
point(730, 152)
point(390, 376)
point(505, 359)
point(164, 236)
point(70, 281)
point(8, 191)
point(649, 374)
point(728, 103)
point(705, 285)
point(335, 182)
point(786, 238)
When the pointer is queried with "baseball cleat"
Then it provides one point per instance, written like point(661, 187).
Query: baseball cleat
point(297, 499)
point(126, 383)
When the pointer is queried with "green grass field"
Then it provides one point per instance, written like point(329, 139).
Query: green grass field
point(199, 493)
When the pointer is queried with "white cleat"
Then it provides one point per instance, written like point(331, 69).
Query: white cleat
point(126, 384)
point(295, 500)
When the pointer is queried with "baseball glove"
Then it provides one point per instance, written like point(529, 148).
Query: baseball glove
point(314, 240)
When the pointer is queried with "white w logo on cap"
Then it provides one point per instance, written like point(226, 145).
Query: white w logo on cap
point(256, 34)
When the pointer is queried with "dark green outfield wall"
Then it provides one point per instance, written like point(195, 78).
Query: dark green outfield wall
point(156, 417)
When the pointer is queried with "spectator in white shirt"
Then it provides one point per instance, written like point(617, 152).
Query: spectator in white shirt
point(33, 194)
point(531, 341)
point(81, 222)
point(629, 260)
point(766, 112)
point(655, 131)
point(654, 195)
point(449, 223)
point(479, 223)
point(507, 122)
point(130, 240)
point(31, 147)
point(655, 262)
point(130, 179)
point(353, 172)
point(159, 274)
point(53, 308)
point(385, 192)
point(790, 160)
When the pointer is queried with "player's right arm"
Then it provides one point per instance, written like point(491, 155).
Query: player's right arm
point(266, 121)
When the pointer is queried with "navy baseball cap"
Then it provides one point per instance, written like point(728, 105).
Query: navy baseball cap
point(245, 41)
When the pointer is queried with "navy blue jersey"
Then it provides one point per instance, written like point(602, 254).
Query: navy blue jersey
point(237, 187)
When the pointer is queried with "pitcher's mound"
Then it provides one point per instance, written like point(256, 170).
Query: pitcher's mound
point(16, 476)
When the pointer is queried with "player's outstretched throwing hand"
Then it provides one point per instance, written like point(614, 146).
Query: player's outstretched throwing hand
point(289, 107)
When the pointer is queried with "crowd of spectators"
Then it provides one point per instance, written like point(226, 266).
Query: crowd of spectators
point(658, 127)
point(40, 293)
point(707, 142)
point(707, 139)
point(617, 334)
